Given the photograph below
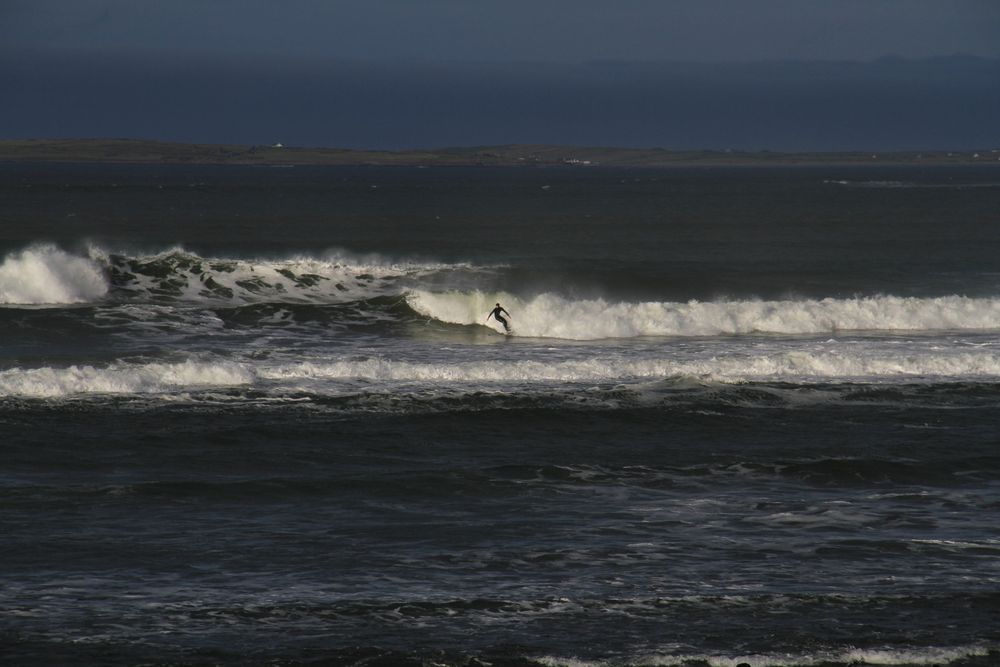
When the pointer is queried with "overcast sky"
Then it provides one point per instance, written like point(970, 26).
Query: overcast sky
point(742, 74)
point(513, 30)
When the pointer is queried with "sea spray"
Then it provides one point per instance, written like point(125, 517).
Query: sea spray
point(44, 274)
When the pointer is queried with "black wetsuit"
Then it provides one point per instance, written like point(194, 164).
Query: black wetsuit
point(496, 315)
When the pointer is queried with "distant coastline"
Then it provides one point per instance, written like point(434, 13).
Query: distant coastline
point(137, 151)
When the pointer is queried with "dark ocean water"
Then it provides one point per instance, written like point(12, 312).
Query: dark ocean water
point(256, 416)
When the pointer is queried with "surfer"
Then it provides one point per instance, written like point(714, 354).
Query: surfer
point(495, 313)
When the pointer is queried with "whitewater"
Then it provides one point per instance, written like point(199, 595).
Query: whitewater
point(48, 276)
point(553, 316)
point(330, 300)
point(259, 416)
point(332, 376)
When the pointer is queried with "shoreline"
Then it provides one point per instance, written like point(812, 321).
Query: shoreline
point(137, 151)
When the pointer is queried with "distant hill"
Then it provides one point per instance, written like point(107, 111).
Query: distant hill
point(136, 151)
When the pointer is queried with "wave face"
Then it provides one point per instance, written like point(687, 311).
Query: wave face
point(552, 316)
point(179, 275)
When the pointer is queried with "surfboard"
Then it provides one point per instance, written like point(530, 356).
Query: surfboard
point(499, 328)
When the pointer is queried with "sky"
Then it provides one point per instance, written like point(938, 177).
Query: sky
point(513, 30)
point(747, 74)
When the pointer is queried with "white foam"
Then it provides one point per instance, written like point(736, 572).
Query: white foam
point(329, 278)
point(800, 364)
point(121, 378)
point(385, 374)
point(552, 316)
point(381, 369)
point(44, 274)
point(911, 657)
point(927, 656)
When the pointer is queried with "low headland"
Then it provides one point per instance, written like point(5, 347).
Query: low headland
point(137, 151)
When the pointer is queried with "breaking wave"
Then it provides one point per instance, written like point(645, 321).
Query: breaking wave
point(44, 274)
point(333, 278)
point(47, 275)
point(121, 378)
point(894, 657)
point(797, 365)
point(906, 185)
point(553, 316)
point(379, 374)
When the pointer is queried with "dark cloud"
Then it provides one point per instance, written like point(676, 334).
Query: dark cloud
point(512, 30)
point(778, 74)
point(888, 104)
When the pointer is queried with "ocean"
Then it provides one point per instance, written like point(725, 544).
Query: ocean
point(257, 416)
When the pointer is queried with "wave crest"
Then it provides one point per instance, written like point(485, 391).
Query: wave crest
point(553, 316)
point(380, 375)
point(797, 365)
point(121, 378)
point(179, 275)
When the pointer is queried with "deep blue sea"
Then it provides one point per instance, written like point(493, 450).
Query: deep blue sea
point(257, 416)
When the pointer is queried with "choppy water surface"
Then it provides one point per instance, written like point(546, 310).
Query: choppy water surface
point(258, 416)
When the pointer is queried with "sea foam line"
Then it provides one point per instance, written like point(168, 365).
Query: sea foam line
point(121, 378)
point(552, 316)
point(788, 365)
point(386, 374)
point(895, 657)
